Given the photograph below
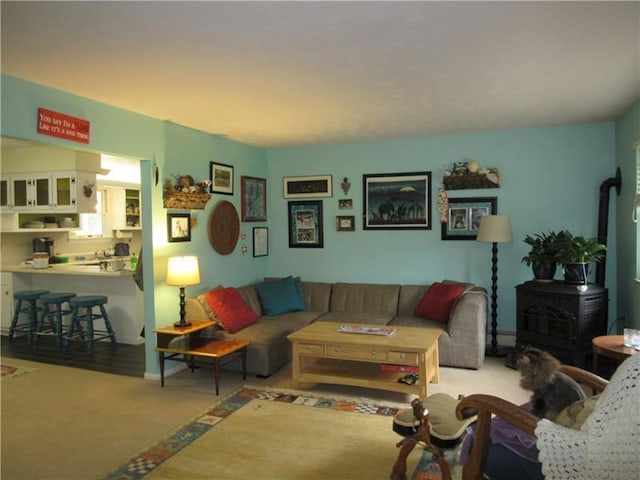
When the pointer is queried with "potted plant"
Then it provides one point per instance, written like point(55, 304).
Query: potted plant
point(543, 256)
point(576, 253)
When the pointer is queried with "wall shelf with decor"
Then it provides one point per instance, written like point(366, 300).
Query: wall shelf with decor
point(186, 201)
point(471, 180)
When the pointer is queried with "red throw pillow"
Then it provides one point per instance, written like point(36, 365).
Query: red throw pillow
point(231, 309)
point(437, 302)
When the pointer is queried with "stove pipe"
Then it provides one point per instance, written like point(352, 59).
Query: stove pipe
point(603, 220)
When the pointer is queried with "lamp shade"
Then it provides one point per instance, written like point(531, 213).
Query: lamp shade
point(495, 229)
point(183, 271)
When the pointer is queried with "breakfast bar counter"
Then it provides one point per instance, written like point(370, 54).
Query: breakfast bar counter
point(125, 304)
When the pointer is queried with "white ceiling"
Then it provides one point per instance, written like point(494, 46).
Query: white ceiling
point(296, 73)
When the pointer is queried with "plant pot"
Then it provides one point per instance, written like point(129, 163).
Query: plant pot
point(543, 274)
point(576, 273)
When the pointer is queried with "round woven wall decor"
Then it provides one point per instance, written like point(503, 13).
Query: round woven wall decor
point(224, 228)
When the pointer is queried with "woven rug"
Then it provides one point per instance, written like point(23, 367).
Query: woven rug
point(9, 371)
point(270, 434)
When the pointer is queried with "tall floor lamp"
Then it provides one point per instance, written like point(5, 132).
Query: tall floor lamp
point(181, 272)
point(495, 229)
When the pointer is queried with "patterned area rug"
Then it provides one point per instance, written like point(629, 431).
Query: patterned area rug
point(9, 371)
point(230, 435)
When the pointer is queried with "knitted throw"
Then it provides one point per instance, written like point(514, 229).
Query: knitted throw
point(607, 447)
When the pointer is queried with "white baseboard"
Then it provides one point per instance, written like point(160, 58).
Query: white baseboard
point(167, 373)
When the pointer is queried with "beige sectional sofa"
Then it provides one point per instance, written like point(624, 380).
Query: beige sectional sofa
point(462, 343)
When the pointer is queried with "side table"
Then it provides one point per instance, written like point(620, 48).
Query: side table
point(610, 346)
point(184, 345)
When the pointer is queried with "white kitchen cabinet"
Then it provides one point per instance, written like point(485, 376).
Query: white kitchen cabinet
point(53, 192)
point(123, 208)
point(5, 192)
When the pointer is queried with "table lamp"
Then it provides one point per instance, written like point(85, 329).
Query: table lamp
point(495, 229)
point(181, 272)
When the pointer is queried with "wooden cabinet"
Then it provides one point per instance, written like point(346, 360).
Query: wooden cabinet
point(561, 319)
point(64, 192)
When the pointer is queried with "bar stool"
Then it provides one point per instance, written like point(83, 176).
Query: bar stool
point(53, 311)
point(31, 308)
point(82, 310)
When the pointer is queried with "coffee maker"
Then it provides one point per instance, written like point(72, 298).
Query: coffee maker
point(44, 245)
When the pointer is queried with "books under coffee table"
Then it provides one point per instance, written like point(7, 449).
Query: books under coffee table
point(324, 354)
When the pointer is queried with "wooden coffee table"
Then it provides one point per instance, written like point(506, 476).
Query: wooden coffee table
point(322, 354)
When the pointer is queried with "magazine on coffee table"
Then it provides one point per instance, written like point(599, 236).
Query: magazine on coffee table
point(384, 331)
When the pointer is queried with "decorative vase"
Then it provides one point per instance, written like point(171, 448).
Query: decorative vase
point(576, 273)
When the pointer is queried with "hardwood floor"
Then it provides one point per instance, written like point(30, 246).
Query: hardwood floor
point(121, 359)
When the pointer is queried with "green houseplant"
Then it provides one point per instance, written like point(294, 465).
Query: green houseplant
point(576, 253)
point(543, 256)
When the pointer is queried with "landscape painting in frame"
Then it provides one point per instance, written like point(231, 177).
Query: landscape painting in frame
point(464, 215)
point(398, 201)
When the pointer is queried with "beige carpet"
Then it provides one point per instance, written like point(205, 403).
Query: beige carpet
point(64, 423)
point(273, 439)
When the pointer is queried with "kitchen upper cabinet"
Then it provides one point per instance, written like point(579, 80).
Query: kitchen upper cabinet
point(5, 192)
point(63, 192)
point(123, 208)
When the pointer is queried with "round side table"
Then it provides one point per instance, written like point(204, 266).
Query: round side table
point(610, 346)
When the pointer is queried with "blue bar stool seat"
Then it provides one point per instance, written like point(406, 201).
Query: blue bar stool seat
point(82, 312)
point(29, 322)
point(53, 310)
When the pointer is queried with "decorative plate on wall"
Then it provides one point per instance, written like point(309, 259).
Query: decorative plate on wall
point(224, 228)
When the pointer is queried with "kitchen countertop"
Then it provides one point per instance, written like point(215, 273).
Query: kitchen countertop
point(67, 269)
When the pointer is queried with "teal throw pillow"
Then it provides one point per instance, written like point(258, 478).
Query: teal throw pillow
point(280, 296)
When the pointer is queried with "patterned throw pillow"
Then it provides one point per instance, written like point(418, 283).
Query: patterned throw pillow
point(204, 303)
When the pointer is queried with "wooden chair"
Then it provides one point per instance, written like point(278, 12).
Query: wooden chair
point(485, 406)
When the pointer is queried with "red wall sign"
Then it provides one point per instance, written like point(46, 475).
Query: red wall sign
point(63, 126)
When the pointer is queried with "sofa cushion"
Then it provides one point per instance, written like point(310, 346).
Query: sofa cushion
point(280, 296)
point(231, 310)
point(365, 298)
point(437, 302)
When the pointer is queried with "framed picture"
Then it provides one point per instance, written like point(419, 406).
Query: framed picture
point(464, 215)
point(254, 199)
point(307, 187)
point(221, 177)
point(305, 224)
point(398, 201)
point(260, 241)
point(179, 227)
point(345, 223)
point(345, 204)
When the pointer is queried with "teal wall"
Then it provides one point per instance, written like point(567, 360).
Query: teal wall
point(550, 180)
point(627, 135)
point(174, 150)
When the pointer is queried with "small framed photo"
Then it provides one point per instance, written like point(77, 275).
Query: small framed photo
point(254, 199)
point(305, 224)
point(307, 187)
point(345, 223)
point(221, 177)
point(178, 227)
point(345, 204)
point(464, 215)
point(397, 201)
point(260, 241)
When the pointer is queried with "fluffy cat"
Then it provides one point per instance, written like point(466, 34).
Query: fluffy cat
point(553, 391)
